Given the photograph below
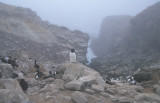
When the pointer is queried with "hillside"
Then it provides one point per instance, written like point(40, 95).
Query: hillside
point(22, 32)
point(134, 47)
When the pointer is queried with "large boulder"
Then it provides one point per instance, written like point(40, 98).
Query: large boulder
point(80, 74)
point(72, 71)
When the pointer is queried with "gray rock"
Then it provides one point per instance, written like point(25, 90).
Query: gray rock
point(97, 88)
point(121, 91)
point(78, 97)
point(59, 83)
point(100, 100)
point(125, 100)
point(146, 102)
point(89, 91)
point(157, 89)
point(74, 85)
point(12, 96)
point(110, 91)
point(72, 71)
point(27, 102)
point(6, 70)
point(105, 94)
point(10, 84)
point(68, 98)
point(113, 98)
point(148, 97)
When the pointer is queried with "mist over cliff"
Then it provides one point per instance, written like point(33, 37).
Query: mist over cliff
point(126, 44)
point(124, 33)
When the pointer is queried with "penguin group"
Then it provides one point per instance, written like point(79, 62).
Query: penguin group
point(9, 60)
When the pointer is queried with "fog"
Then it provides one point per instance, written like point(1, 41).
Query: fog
point(85, 15)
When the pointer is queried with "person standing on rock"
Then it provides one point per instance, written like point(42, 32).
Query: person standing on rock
point(72, 56)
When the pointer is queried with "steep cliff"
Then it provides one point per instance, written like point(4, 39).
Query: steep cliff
point(24, 34)
point(128, 46)
point(113, 30)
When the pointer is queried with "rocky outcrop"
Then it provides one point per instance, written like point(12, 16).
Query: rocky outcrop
point(80, 77)
point(23, 35)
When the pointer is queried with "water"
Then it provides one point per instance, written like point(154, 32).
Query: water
point(90, 55)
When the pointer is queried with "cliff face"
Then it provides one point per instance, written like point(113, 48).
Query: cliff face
point(128, 44)
point(123, 33)
point(22, 32)
point(113, 30)
point(145, 29)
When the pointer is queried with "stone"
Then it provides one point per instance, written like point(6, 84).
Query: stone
point(6, 70)
point(105, 94)
point(88, 80)
point(121, 91)
point(27, 102)
point(53, 87)
point(97, 88)
point(12, 96)
point(89, 91)
point(125, 100)
point(82, 73)
point(114, 99)
point(68, 98)
point(78, 97)
point(100, 100)
point(74, 85)
point(10, 84)
point(157, 89)
point(59, 83)
point(72, 71)
point(147, 96)
point(110, 91)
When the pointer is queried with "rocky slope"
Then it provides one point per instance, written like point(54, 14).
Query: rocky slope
point(24, 34)
point(131, 47)
point(75, 83)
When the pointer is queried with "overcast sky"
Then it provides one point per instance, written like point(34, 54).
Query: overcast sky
point(85, 15)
